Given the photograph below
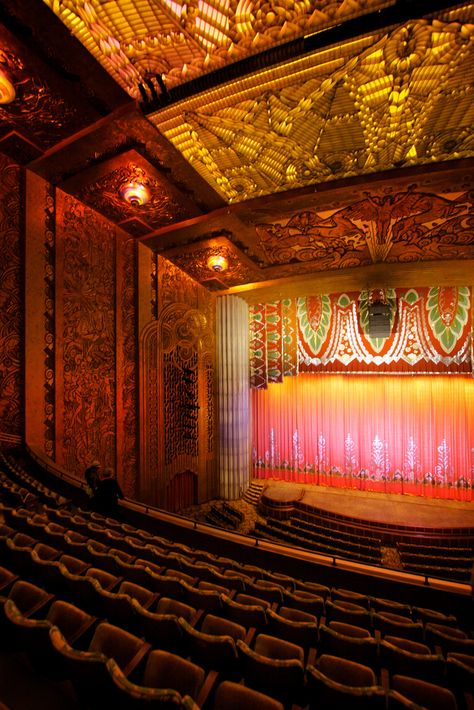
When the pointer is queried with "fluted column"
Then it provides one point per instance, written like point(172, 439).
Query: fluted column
point(234, 396)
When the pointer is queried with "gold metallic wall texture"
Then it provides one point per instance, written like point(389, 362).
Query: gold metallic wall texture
point(178, 386)
point(11, 322)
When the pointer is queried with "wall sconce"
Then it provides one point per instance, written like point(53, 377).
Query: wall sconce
point(217, 263)
point(135, 193)
point(7, 90)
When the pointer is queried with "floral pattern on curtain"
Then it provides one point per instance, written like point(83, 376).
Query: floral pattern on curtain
point(390, 433)
point(430, 333)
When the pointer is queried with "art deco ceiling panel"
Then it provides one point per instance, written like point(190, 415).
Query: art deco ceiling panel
point(173, 41)
point(377, 102)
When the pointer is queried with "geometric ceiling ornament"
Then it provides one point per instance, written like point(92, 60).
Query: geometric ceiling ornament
point(375, 103)
point(131, 192)
point(199, 260)
point(160, 44)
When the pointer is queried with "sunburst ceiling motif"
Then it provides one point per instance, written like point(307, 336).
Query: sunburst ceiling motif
point(176, 40)
point(381, 101)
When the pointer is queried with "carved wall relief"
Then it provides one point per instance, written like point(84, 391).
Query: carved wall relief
point(11, 306)
point(88, 335)
point(178, 361)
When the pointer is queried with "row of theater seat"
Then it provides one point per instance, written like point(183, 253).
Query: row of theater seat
point(106, 662)
point(22, 487)
point(438, 561)
point(282, 622)
point(312, 521)
point(324, 543)
point(269, 619)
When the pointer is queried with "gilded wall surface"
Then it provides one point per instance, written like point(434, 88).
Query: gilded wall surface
point(80, 320)
point(178, 361)
point(11, 419)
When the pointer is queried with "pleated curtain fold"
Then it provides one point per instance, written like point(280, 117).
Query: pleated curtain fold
point(233, 396)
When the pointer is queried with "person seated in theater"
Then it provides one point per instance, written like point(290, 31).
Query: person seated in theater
point(91, 474)
point(107, 493)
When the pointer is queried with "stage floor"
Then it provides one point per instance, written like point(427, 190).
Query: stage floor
point(390, 508)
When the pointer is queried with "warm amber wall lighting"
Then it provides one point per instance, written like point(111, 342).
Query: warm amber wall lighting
point(217, 263)
point(135, 193)
point(7, 90)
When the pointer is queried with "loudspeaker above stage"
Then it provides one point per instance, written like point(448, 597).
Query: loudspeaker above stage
point(379, 320)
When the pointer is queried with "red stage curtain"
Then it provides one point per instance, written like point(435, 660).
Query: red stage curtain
point(394, 433)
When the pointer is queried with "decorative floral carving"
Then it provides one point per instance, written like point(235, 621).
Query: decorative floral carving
point(129, 398)
point(11, 306)
point(49, 320)
point(88, 336)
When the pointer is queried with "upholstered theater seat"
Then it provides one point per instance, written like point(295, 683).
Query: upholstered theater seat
point(205, 599)
point(7, 580)
point(161, 630)
point(433, 617)
point(166, 605)
point(305, 601)
point(448, 639)
point(340, 683)
point(30, 600)
point(398, 625)
point(213, 652)
point(348, 613)
point(247, 615)
point(87, 670)
point(405, 657)
point(301, 633)
point(32, 635)
point(429, 695)
point(380, 604)
point(349, 596)
point(235, 696)
point(274, 667)
point(126, 695)
point(217, 626)
point(340, 639)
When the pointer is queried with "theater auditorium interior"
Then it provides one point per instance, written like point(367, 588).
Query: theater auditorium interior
point(237, 261)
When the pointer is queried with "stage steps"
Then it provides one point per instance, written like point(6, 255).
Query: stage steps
point(253, 493)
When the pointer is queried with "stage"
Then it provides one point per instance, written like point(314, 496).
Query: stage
point(376, 509)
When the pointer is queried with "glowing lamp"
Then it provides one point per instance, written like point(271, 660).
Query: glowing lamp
point(135, 193)
point(7, 90)
point(217, 263)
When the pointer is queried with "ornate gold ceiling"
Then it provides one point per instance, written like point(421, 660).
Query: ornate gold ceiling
point(177, 40)
point(334, 157)
point(377, 102)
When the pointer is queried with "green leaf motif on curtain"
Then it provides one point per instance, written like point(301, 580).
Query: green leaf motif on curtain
point(411, 296)
point(344, 300)
point(314, 316)
point(448, 312)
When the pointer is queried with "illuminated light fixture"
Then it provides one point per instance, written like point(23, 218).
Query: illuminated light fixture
point(217, 263)
point(135, 193)
point(7, 90)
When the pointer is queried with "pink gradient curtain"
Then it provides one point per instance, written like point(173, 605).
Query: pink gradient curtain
point(392, 433)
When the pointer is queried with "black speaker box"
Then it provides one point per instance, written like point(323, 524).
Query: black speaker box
point(379, 320)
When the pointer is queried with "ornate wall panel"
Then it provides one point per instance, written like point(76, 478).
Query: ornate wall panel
point(128, 453)
point(49, 320)
point(11, 306)
point(178, 384)
point(88, 335)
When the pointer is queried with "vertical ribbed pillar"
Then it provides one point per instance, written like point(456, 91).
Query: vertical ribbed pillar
point(234, 396)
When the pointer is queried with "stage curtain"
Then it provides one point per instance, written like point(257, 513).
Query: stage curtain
point(233, 396)
point(388, 433)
